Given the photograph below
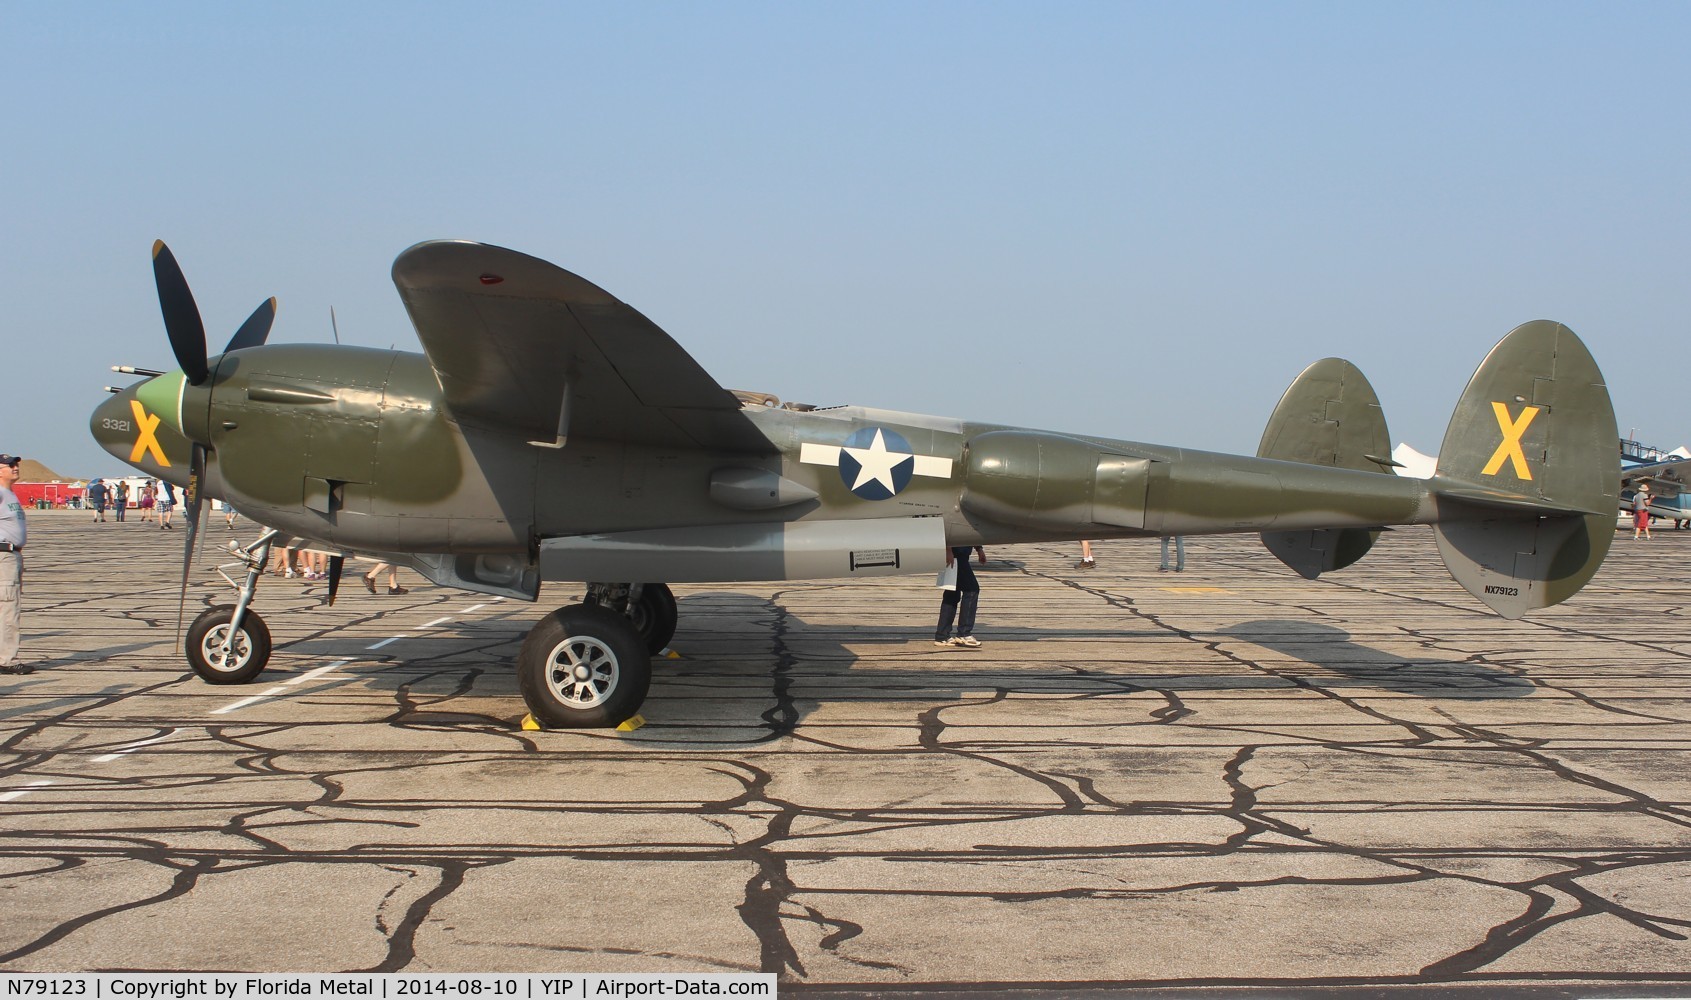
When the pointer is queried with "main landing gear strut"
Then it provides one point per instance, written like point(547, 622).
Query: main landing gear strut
point(229, 643)
point(590, 664)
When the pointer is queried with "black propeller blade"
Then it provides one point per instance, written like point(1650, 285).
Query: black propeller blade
point(191, 502)
point(257, 327)
point(181, 316)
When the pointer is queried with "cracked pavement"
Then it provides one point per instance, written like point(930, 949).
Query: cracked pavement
point(1223, 777)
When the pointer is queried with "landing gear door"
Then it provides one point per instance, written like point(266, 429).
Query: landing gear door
point(1119, 487)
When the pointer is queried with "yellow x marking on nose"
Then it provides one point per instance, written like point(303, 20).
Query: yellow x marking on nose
point(147, 441)
point(1510, 448)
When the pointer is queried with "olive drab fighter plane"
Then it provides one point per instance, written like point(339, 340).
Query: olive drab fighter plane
point(549, 431)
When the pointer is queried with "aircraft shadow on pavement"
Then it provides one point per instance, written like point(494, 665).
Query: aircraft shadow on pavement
point(1332, 649)
point(747, 663)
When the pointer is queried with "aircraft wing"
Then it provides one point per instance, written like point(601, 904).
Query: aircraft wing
point(524, 345)
point(1666, 479)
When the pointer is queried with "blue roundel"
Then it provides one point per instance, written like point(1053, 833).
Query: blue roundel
point(876, 463)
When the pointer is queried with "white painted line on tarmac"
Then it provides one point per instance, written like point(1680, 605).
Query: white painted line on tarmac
point(131, 748)
point(20, 793)
point(301, 679)
point(320, 671)
point(282, 688)
point(244, 702)
point(473, 607)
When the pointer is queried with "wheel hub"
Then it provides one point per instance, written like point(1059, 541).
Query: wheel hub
point(582, 672)
point(220, 659)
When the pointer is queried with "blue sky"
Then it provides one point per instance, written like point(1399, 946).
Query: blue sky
point(1138, 220)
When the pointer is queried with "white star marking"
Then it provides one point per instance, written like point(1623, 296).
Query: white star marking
point(811, 453)
point(876, 462)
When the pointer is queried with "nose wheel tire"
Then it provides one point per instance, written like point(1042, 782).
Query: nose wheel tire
point(245, 658)
point(582, 667)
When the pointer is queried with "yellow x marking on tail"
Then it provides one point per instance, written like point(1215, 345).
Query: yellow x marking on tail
point(1510, 448)
point(147, 442)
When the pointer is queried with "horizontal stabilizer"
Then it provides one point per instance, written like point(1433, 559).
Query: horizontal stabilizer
point(1479, 496)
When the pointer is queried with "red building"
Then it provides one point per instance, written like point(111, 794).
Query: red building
point(56, 494)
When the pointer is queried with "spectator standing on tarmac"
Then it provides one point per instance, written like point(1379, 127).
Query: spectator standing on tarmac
point(97, 495)
point(284, 557)
point(393, 578)
point(167, 503)
point(12, 536)
point(148, 494)
point(959, 602)
point(120, 499)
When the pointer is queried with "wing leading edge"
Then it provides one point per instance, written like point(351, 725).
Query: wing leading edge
point(522, 344)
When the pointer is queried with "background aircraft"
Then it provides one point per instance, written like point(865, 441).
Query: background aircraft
point(550, 431)
point(1666, 474)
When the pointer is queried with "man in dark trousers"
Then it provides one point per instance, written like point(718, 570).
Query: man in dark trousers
point(960, 602)
point(97, 495)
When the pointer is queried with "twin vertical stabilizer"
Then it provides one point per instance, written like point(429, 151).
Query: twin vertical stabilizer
point(1524, 498)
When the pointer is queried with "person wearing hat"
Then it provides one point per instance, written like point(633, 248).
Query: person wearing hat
point(12, 537)
point(1641, 511)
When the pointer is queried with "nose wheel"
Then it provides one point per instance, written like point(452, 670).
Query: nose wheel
point(229, 643)
point(222, 653)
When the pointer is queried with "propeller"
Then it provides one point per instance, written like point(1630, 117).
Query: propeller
point(188, 342)
point(182, 318)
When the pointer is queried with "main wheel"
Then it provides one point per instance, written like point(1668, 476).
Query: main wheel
point(654, 616)
point(246, 656)
point(582, 667)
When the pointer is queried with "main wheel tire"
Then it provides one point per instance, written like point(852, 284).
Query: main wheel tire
point(246, 658)
point(583, 667)
point(654, 616)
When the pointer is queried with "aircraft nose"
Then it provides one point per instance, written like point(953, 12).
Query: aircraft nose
point(141, 425)
point(113, 424)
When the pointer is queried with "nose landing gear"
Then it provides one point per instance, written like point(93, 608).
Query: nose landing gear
point(229, 643)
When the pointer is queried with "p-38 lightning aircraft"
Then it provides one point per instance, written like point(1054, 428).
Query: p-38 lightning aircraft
point(549, 431)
